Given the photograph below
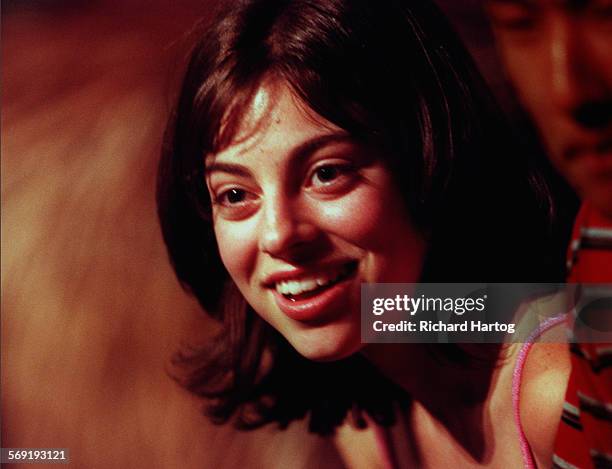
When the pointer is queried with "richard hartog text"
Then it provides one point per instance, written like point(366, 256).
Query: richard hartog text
point(441, 326)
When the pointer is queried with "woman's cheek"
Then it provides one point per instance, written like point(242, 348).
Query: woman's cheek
point(361, 217)
point(237, 247)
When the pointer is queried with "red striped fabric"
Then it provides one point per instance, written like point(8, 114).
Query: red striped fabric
point(584, 438)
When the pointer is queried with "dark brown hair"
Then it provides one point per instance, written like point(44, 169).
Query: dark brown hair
point(391, 73)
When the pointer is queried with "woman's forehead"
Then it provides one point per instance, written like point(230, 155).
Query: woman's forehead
point(273, 117)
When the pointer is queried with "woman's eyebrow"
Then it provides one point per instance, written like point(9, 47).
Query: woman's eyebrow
point(230, 168)
point(311, 146)
point(297, 154)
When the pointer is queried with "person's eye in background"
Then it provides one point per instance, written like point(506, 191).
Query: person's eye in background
point(513, 17)
point(599, 11)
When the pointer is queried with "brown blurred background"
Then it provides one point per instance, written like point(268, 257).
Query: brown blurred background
point(91, 311)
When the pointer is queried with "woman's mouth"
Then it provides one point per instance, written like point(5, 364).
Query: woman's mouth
point(312, 296)
point(308, 286)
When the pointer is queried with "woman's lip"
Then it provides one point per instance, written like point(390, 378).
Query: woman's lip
point(299, 273)
point(327, 302)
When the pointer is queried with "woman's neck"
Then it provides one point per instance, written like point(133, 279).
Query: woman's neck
point(454, 396)
point(428, 375)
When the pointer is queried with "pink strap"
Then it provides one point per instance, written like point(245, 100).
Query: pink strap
point(517, 377)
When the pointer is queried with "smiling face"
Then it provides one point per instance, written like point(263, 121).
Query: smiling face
point(558, 57)
point(303, 215)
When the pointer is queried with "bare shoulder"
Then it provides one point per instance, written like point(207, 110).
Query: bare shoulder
point(545, 378)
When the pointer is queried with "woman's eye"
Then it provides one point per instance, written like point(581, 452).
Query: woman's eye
point(331, 178)
point(234, 203)
point(233, 196)
point(326, 174)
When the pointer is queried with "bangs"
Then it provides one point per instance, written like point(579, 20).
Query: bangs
point(219, 111)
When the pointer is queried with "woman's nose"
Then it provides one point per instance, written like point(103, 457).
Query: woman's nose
point(286, 230)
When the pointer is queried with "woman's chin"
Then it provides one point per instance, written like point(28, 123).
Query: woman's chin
point(325, 347)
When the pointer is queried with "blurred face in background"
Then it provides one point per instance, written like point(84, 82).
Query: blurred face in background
point(303, 215)
point(558, 55)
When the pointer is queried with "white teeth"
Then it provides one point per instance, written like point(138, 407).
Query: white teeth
point(306, 284)
point(294, 287)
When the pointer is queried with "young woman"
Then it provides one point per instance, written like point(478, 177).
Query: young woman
point(318, 145)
